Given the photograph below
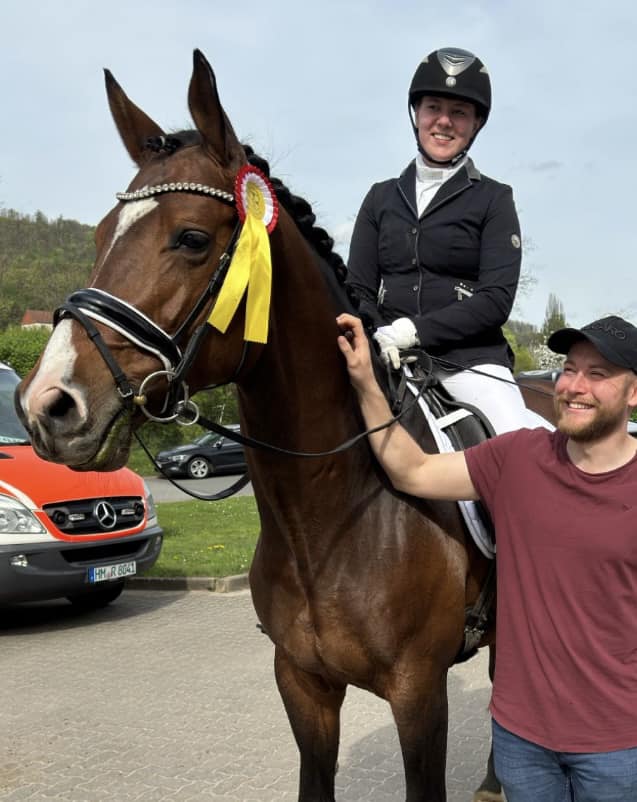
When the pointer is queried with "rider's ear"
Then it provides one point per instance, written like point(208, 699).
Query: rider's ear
point(209, 116)
point(135, 126)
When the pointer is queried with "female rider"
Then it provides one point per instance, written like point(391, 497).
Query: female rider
point(435, 254)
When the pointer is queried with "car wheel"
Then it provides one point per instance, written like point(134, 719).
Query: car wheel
point(198, 468)
point(95, 599)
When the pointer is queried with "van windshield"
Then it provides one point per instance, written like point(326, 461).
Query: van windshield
point(12, 432)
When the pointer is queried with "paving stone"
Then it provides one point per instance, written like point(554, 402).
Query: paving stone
point(170, 697)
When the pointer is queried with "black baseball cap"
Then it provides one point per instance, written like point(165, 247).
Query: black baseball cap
point(614, 338)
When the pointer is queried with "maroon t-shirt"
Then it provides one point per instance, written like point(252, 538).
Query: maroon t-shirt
point(566, 667)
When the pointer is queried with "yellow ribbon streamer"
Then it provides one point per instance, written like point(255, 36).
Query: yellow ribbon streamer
point(251, 268)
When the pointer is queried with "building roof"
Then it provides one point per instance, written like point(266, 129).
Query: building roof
point(37, 317)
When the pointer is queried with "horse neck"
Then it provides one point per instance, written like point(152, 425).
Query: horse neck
point(298, 397)
point(299, 391)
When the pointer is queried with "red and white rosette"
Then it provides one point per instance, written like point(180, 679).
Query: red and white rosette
point(250, 272)
point(255, 196)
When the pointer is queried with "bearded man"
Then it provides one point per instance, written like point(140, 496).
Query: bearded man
point(564, 507)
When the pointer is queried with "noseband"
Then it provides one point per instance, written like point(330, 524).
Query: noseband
point(92, 304)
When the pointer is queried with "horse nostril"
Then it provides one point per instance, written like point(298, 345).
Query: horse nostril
point(53, 406)
point(61, 406)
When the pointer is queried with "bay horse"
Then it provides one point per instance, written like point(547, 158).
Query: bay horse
point(354, 582)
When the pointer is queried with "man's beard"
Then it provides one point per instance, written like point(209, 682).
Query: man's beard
point(605, 421)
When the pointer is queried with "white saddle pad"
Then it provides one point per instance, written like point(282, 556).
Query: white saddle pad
point(479, 533)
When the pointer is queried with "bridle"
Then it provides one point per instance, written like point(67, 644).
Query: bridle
point(91, 305)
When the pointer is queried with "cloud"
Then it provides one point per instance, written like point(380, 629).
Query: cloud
point(545, 167)
point(342, 234)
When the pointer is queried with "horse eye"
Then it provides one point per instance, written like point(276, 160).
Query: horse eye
point(193, 240)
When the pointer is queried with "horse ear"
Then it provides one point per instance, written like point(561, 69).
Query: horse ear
point(209, 116)
point(134, 126)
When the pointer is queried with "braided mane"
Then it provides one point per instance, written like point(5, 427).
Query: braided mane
point(301, 212)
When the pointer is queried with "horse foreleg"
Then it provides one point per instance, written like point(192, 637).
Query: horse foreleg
point(421, 719)
point(490, 789)
point(313, 707)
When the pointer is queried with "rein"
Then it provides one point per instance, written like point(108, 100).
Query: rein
point(251, 442)
point(447, 363)
point(421, 382)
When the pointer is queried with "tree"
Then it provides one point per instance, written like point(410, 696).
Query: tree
point(526, 334)
point(527, 280)
point(41, 262)
point(554, 317)
point(523, 356)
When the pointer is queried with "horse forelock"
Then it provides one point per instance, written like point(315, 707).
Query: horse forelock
point(169, 144)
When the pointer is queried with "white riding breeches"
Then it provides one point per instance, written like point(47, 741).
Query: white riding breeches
point(498, 398)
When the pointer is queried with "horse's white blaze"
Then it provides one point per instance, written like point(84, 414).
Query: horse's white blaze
point(58, 360)
point(56, 366)
point(131, 212)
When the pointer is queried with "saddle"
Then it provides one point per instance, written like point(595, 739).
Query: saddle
point(464, 424)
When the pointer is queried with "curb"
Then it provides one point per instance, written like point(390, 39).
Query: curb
point(215, 584)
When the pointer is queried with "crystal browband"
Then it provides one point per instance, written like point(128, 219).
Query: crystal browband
point(180, 186)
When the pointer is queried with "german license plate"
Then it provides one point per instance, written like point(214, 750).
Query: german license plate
point(102, 573)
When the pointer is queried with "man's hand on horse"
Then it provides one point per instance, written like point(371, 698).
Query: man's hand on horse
point(355, 347)
point(392, 339)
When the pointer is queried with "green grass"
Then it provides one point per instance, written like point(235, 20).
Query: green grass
point(203, 538)
point(140, 463)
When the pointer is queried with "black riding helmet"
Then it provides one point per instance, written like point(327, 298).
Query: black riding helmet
point(451, 72)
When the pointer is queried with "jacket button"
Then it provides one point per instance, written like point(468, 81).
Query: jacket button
point(415, 288)
point(414, 261)
point(414, 230)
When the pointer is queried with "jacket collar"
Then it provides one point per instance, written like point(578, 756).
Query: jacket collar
point(458, 182)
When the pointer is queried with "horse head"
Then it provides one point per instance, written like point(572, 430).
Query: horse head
point(136, 340)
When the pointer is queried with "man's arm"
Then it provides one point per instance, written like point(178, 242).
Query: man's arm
point(410, 469)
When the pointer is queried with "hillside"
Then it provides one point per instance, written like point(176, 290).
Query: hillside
point(41, 262)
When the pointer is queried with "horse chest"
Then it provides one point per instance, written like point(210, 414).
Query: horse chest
point(311, 633)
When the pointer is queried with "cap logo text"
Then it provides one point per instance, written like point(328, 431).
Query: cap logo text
point(608, 328)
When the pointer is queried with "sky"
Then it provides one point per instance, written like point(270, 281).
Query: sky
point(320, 90)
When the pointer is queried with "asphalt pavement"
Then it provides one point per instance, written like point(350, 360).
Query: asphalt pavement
point(170, 697)
point(164, 490)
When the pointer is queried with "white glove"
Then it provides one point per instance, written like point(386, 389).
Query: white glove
point(401, 334)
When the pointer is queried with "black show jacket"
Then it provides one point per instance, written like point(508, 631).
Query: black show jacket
point(453, 271)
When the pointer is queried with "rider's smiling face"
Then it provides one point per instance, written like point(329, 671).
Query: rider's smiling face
point(445, 126)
